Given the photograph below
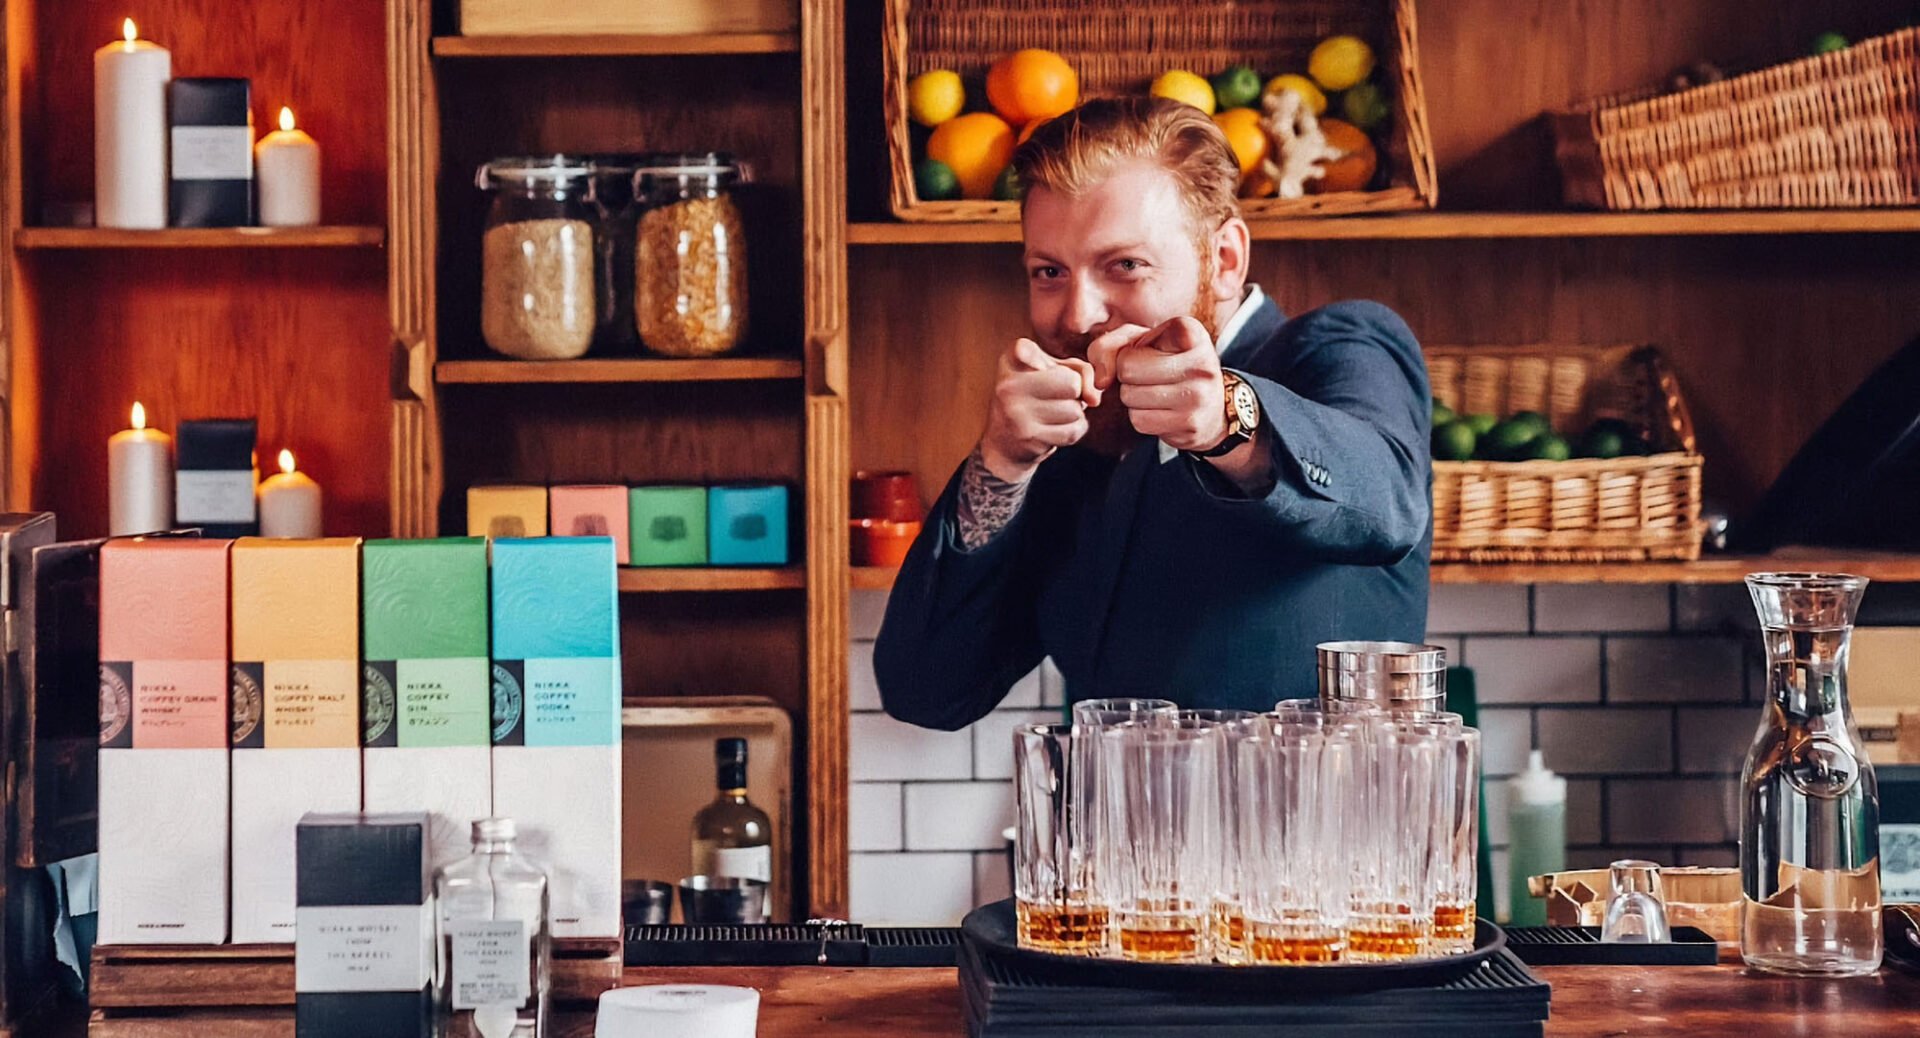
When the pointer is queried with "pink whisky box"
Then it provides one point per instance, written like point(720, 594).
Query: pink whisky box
point(590, 511)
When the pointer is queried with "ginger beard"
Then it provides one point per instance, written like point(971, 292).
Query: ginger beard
point(1110, 431)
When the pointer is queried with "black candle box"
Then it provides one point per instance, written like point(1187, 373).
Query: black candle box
point(363, 949)
point(214, 477)
point(210, 152)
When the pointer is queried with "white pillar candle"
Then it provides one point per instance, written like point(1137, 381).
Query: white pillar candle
point(286, 163)
point(139, 478)
point(130, 132)
point(289, 502)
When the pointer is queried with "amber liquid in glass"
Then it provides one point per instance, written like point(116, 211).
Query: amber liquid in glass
point(1285, 948)
point(1453, 926)
point(1060, 928)
point(1387, 936)
point(1163, 939)
point(1229, 934)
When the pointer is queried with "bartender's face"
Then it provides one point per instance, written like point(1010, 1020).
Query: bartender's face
point(1124, 252)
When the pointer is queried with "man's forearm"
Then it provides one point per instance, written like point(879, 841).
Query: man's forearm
point(1249, 466)
point(986, 503)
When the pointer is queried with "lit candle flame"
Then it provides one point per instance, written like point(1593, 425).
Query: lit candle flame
point(286, 462)
point(286, 118)
point(139, 416)
point(127, 30)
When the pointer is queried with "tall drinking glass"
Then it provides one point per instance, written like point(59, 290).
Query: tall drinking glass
point(1162, 785)
point(1054, 905)
point(1091, 717)
point(1393, 901)
point(1228, 922)
point(1456, 868)
point(1296, 790)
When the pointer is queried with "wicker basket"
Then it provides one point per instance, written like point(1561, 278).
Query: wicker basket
point(1628, 509)
point(1837, 130)
point(1118, 47)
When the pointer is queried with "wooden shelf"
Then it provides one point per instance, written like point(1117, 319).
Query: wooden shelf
point(614, 46)
point(515, 372)
point(1719, 569)
point(1424, 226)
point(200, 238)
point(716, 578)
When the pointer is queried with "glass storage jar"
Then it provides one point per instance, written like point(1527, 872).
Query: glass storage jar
point(537, 269)
point(616, 216)
point(690, 262)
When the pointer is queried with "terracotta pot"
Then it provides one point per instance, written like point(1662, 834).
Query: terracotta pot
point(886, 495)
point(882, 542)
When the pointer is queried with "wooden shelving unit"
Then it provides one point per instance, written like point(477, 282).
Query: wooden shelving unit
point(28, 238)
point(644, 580)
point(1466, 226)
point(513, 372)
point(614, 46)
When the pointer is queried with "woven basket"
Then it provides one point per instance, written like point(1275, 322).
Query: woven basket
point(1837, 130)
point(1628, 509)
point(1118, 47)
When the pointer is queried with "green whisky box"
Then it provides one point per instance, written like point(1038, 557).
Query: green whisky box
point(669, 526)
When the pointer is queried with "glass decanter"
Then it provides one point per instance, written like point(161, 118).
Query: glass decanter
point(492, 969)
point(1810, 811)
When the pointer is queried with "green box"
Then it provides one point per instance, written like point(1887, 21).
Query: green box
point(668, 526)
point(425, 681)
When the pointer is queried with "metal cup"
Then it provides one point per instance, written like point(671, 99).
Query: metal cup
point(646, 902)
point(723, 900)
point(1397, 675)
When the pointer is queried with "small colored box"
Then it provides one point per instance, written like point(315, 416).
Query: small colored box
point(669, 526)
point(590, 511)
point(213, 486)
point(506, 511)
point(747, 525)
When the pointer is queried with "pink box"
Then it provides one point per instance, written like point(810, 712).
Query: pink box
point(590, 511)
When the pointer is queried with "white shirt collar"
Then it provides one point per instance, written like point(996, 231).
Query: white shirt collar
point(1228, 332)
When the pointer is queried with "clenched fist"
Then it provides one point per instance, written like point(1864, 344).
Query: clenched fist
point(1039, 405)
point(1169, 380)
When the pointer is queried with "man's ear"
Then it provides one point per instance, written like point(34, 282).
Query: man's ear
point(1232, 252)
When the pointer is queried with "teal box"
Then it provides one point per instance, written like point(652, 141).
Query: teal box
point(424, 678)
point(556, 642)
point(668, 526)
point(747, 525)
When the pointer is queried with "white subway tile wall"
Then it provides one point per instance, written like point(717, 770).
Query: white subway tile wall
point(1641, 696)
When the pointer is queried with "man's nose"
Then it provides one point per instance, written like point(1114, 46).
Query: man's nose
point(1086, 307)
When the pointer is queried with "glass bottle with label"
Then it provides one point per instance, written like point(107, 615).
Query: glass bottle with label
point(731, 837)
point(1810, 814)
point(493, 964)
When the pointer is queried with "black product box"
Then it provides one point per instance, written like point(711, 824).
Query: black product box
point(213, 482)
point(363, 957)
point(210, 152)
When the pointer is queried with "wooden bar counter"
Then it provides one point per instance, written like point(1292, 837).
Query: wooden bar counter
point(813, 1002)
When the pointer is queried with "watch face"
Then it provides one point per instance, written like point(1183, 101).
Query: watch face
point(1246, 405)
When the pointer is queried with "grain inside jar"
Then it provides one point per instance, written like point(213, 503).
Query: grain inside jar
point(690, 261)
point(537, 289)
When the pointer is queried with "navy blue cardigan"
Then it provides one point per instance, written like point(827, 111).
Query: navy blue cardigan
point(1149, 578)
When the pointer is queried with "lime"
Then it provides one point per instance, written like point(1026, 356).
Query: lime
point(1510, 440)
point(1533, 420)
point(1006, 188)
point(1184, 86)
point(1365, 106)
point(936, 96)
point(1828, 42)
point(1237, 87)
point(934, 181)
point(1601, 442)
point(1481, 423)
point(1306, 88)
point(1442, 414)
point(1340, 61)
point(1453, 441)
point(1549, 448)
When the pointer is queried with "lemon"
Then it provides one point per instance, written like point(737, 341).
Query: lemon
point(934, 97)
point(1183, 86)
point(1340, 62)
point(1301, 85)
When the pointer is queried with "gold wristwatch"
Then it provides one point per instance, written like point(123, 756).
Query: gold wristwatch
point(1243, 416)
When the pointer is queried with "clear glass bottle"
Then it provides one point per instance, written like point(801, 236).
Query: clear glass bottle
point(537, 289)
point(732, 837)
point(690, 261)
point(1810, 814)
point(491, 974)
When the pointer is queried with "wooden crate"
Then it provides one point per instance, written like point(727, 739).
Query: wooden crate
point(1117, 47)
point(624, 17)
point(246, 990)
point(1629, 509)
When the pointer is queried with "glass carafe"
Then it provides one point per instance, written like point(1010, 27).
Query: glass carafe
point(494, 950)
point(1810, 812)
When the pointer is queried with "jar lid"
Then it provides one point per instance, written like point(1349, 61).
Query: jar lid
point(532, 169)
point(688, 163)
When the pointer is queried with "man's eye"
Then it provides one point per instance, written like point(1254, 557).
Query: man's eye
point(1046, 273)
point(1129, 266)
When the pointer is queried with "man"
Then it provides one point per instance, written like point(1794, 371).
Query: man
point(1285, 502)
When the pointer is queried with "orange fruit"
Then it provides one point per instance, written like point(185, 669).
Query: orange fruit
point(1030, 85)
point(1257, 185)
point(1027, 131)
point(1354, 170)
point(1245, 136)
point(976, 146)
